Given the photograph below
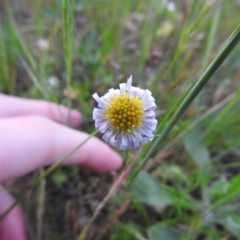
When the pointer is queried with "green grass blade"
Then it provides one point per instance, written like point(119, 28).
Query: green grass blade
point(228, 47)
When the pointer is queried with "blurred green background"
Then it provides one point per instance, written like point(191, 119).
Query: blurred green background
point(190, 188)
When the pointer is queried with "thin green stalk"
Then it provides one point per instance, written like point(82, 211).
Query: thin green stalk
point(68, 17)
point(40, 210)
point(4, 68)
point(2, 216)
point(127, 156)
point(228, 47)
point(34, 79)
point(188, 28)
point(30, 64)
point(211, 38)
point(30, 59)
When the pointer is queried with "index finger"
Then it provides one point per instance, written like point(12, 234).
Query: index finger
point(27, 143)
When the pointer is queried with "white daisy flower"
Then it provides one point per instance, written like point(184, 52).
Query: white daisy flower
point(125, 116)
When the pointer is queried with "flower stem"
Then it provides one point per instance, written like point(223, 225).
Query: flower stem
point(127, 156)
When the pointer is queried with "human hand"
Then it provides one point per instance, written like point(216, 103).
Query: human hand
point(31, 137)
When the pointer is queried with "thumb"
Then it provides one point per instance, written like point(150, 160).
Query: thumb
point(12, 225)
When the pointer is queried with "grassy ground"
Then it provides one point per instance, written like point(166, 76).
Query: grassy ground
point(65, 52)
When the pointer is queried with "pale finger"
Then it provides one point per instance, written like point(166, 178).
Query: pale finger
point(28, 143)
point(14, 106)
point(12, 225)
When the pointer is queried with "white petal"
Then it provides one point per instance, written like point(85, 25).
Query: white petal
point(149, 115)
point(117, 92)
point(150, 107)
point(114, 92)
point(148, 100)
point(98, 114)
point(99, 122)
point(104, 127)
point(107, 137)
point(149, 126)
point(146, 140)
point(145, 131)
point(124, 144)
point(98, 125)
point(104, 103)
point(96, 97)
point(132, 141)
point(123, 87)
point(118, 141)
point(122, 141)
point(147, 94)
point(112, 139)
point(109, 95)
point(129, 82)
point(150, 122)
point(135, 91)
point(138, 137)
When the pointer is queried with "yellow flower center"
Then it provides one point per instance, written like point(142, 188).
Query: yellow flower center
point(125, 113)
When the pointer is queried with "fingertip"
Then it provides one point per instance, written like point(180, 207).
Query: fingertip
point(115, 162)
point(103, 159)
point(76, 118)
